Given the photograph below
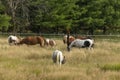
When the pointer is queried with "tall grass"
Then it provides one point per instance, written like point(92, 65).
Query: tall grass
point(35, 63)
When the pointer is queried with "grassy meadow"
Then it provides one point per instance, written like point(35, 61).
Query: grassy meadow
point(35, 63)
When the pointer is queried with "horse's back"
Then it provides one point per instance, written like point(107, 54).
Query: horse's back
point(32, 40)
point(57, 54)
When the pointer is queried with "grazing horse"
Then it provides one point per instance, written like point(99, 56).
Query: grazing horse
point(58, 57)
point(13, 40)
point(86, 43)
point(71, 38)
point(32, 40)
point(50, 42)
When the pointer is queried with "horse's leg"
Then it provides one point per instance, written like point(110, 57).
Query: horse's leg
point(15, 43)
point(41, 44)
point(90, 47)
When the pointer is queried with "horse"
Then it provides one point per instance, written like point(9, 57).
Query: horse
point(33, 40)
point(71, 38)
point(86, 43)
point(13, 40)
point(50, 42)
point(58, 57)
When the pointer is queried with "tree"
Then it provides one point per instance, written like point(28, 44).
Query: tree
point(13, 5)
point(53, 13)
point(4, 18)
point(18, 10)
point(111, 14)
point(57, 16)
point(90, 14)
point(104, 16)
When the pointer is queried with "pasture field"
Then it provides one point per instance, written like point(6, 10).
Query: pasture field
point(35, 63)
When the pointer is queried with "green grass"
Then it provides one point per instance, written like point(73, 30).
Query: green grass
point(112, 67)
point(35, 63)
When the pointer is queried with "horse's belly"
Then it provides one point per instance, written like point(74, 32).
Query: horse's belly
point(79, 44)
point(31, 42)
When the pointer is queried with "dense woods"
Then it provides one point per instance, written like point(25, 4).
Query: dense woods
point(57, 16)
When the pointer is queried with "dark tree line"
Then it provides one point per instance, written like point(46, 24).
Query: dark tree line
point(57, 16)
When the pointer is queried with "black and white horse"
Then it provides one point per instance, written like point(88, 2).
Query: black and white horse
point(86, 43)
point(58, 57)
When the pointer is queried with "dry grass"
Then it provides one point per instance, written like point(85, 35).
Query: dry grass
point(35, 63)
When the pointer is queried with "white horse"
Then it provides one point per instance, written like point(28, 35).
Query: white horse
point(86, 43)
point(13, 40)
point(58, 57)
point(50, 42)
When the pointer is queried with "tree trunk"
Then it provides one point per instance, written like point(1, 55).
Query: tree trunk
point(14, 24)
point(68, 43)
point(13, 4)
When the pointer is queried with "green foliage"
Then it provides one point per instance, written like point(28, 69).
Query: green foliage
point(4, 19)
point(53, 13)
point(59, 15)
point(2, 8)
point(113, 67)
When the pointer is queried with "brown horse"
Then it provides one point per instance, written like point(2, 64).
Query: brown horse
point(32, 40)
point(71, 38)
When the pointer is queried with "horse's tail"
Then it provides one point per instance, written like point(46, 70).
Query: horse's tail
point(54, 42)
point(44, 42)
